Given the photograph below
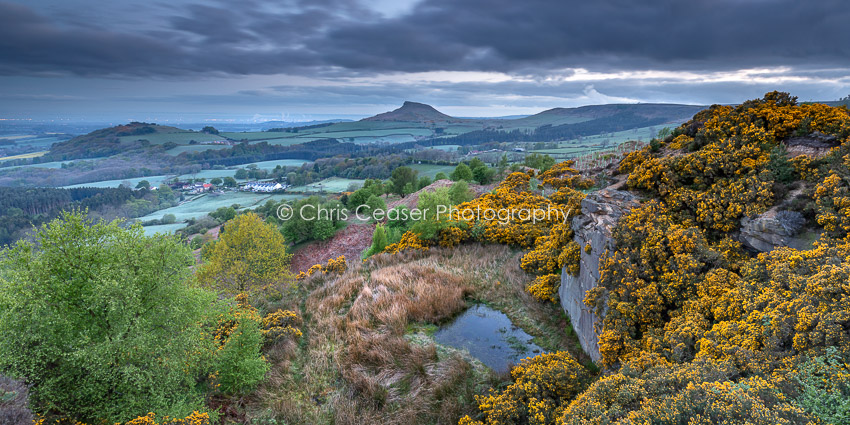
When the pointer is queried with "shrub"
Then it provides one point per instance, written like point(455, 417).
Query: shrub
point(543, 387)
point(825, 387)
point(462, 172)
point(103, 321)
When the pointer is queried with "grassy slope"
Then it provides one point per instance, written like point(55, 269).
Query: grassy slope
point(367, 355)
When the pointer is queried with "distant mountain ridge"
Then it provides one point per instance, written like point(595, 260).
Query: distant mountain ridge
point(420, 112)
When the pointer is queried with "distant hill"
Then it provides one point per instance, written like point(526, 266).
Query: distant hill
point(124, 138)
point(413, 112)
point(647, 110)
point(420, 112)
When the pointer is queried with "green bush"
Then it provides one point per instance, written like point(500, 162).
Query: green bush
point(239, 363)
point(825, 387)
point(462, 172)
point(104, 324)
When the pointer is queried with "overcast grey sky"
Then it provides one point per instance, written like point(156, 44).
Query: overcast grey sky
point(294, 59)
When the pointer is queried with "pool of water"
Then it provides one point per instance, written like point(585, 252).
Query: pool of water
point(489, 336)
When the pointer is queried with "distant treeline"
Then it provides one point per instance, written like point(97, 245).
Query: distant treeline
point(23, 208)
point(297, 129)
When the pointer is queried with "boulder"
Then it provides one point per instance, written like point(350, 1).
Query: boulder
point(771, 230)
point(600, 212)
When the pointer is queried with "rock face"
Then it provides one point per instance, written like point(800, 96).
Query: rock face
point(772, 230)
point(600, 212)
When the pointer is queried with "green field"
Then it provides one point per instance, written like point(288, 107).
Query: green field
point(575, 147)
point(203, 174)
point(431, 170)
point(204, 204)
point(194, 148)
point(357, 132)
point(23, 156)
point(329, 185)
point(33, 141)
point(154, 181)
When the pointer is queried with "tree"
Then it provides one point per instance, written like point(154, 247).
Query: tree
point(539, 161)
point(423, 182)
point(248, 256)
point(379, 241)
point(401, 177)
point(462, 172)
point(209, 130)
point(503, 163)
point(168, 219)
point(358, 198)
point(229, 182)
point(216, 181)
point(144, 184)
point(460, 193)
point(435, 206)
point(223, 214)
point(375, 203)
point(483, 174)
point(441, 176)
point(241, 174)
point(323, 229)
point(104, 324)
point(375, 186)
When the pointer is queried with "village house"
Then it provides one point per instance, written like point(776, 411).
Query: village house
point(263, 186)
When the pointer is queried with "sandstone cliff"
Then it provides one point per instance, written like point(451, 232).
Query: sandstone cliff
point(593, 228)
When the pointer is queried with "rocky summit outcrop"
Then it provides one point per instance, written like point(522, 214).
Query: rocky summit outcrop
point(771, 230)
point(600, 212)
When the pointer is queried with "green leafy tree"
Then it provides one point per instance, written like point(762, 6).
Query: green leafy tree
point(323, 229)
point(375, 186)
point(249, 255)
point(144, 184)
point(408, 189)
point(483, 174)
point(228, 182)
point(104, 324)
point(223, 214)
point(401, 178)
point(462, 172)
point(440, 176)
point(216, 181)
point(435, 206)
point(423, 182)
point(539, 161)
point(379, 241)
point(165, 195)
point(375, 203)
point(241, 174)
point(460, 193)
point(358, 198)
point(168, 219)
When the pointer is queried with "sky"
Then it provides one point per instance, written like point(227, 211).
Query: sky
point(295, 60)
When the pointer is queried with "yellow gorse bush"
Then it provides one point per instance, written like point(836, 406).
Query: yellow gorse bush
point(334, 265)
point(542, 388)
point(507, 216)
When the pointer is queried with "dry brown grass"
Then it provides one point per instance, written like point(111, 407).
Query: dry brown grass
point(355, 365)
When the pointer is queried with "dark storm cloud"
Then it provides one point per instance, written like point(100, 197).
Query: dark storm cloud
point(528, 37)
